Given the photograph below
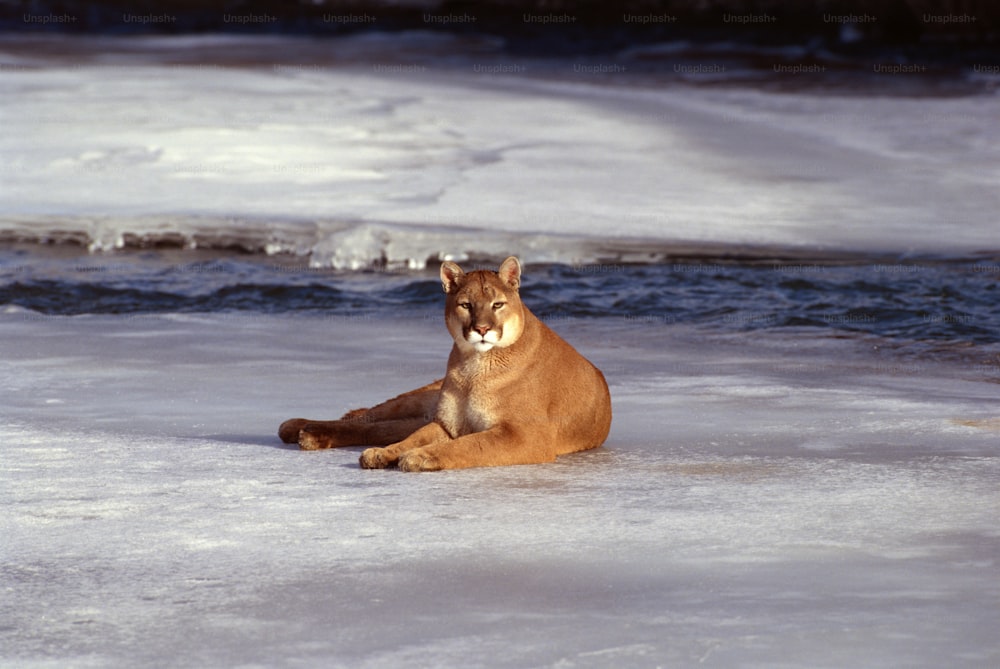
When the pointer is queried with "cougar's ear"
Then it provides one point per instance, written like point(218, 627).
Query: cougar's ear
point(510, 272)
point(451, 276)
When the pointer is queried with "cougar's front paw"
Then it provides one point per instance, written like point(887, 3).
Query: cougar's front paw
point(375, 458)
point(419, 460)
point(289, 430)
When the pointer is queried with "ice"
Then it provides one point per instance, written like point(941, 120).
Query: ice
point(787, 502)
point(775, 499)
point(139, 143)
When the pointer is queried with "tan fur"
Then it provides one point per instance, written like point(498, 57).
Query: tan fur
point(523, 396)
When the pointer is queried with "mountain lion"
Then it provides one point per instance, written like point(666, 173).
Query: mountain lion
point(514, 392)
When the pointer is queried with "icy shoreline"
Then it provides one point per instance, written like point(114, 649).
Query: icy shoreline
point(765, 499)
point(785, 502)
point(349, 164)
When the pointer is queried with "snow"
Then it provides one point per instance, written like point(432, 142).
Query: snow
point(350, 162)
point(780, 503)
point(763, 500)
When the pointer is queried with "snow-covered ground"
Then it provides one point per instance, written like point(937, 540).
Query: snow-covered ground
point(788, 503)
point(771, 499)
point(349, 161)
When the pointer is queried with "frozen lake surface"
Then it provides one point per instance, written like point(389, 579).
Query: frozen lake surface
point(806, 502)
point(324, 148)
point(803, 467)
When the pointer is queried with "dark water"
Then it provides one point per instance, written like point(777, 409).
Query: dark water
point(934, 301)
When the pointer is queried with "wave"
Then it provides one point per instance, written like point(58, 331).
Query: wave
point(933, 302)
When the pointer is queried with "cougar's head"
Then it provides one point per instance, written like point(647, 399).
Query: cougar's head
point(483, 308)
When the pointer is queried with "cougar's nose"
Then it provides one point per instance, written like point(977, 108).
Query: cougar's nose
point(482, 329)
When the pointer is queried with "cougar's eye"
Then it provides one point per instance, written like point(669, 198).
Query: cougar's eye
point(465, 305)
point(498, 305)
